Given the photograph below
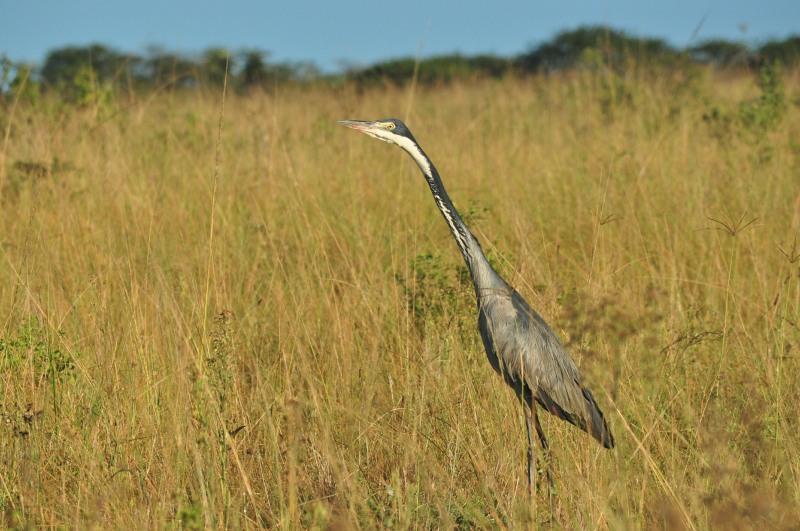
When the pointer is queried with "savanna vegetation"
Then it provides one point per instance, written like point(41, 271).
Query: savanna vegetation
point(220, 309)
point(77, 73)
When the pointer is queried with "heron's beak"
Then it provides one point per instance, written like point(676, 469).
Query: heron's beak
point(358, 125)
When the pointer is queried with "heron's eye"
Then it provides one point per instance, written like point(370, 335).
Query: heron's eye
point(389, 126)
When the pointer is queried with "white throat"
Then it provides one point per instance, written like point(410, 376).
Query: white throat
point(412, 149)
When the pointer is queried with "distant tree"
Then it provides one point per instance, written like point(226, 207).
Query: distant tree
point(574, 47)
point(786, 51)
point(254, 72)
point(216, 63)
point(304, 71)
point(23, 86)
point(164, 68)
point(87, 74)
point(490, 65)
point(288, 71)
point(17, 82)
point(443, 69)
point(63, 65)
point(395, 71)
point(6, 71)
point(720, 52)
point(439, 69)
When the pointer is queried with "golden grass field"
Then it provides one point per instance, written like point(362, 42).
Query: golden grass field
point(267, 324)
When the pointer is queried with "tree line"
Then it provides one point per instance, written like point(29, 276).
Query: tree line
point(75, 71)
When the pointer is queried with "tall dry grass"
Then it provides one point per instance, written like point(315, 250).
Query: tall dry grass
point(308, 358)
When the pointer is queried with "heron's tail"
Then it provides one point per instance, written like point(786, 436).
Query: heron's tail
point(591, 421)
point(597, 426)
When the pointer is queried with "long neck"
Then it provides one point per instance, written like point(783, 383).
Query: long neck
point(485, 279)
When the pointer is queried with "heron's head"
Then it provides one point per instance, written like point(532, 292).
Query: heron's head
point(389, 130)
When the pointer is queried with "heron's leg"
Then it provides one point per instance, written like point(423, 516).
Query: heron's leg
point(549, 464)
point(545, 446)
point(531, 461)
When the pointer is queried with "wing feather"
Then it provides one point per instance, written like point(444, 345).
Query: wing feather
point(522, 347)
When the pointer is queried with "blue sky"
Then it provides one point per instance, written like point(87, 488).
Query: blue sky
point(359, 32)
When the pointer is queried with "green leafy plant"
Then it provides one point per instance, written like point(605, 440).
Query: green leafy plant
point(762, 114)
point(32, 344)
point(755, 118)
point(433, 289)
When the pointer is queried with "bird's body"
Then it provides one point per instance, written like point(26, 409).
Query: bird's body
point(525, 351)
point(520, 345)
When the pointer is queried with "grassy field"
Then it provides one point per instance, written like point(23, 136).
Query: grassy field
point(250, 316)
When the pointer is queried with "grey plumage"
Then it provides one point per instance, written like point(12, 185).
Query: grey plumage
point(521, 347)
point(519, 344)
